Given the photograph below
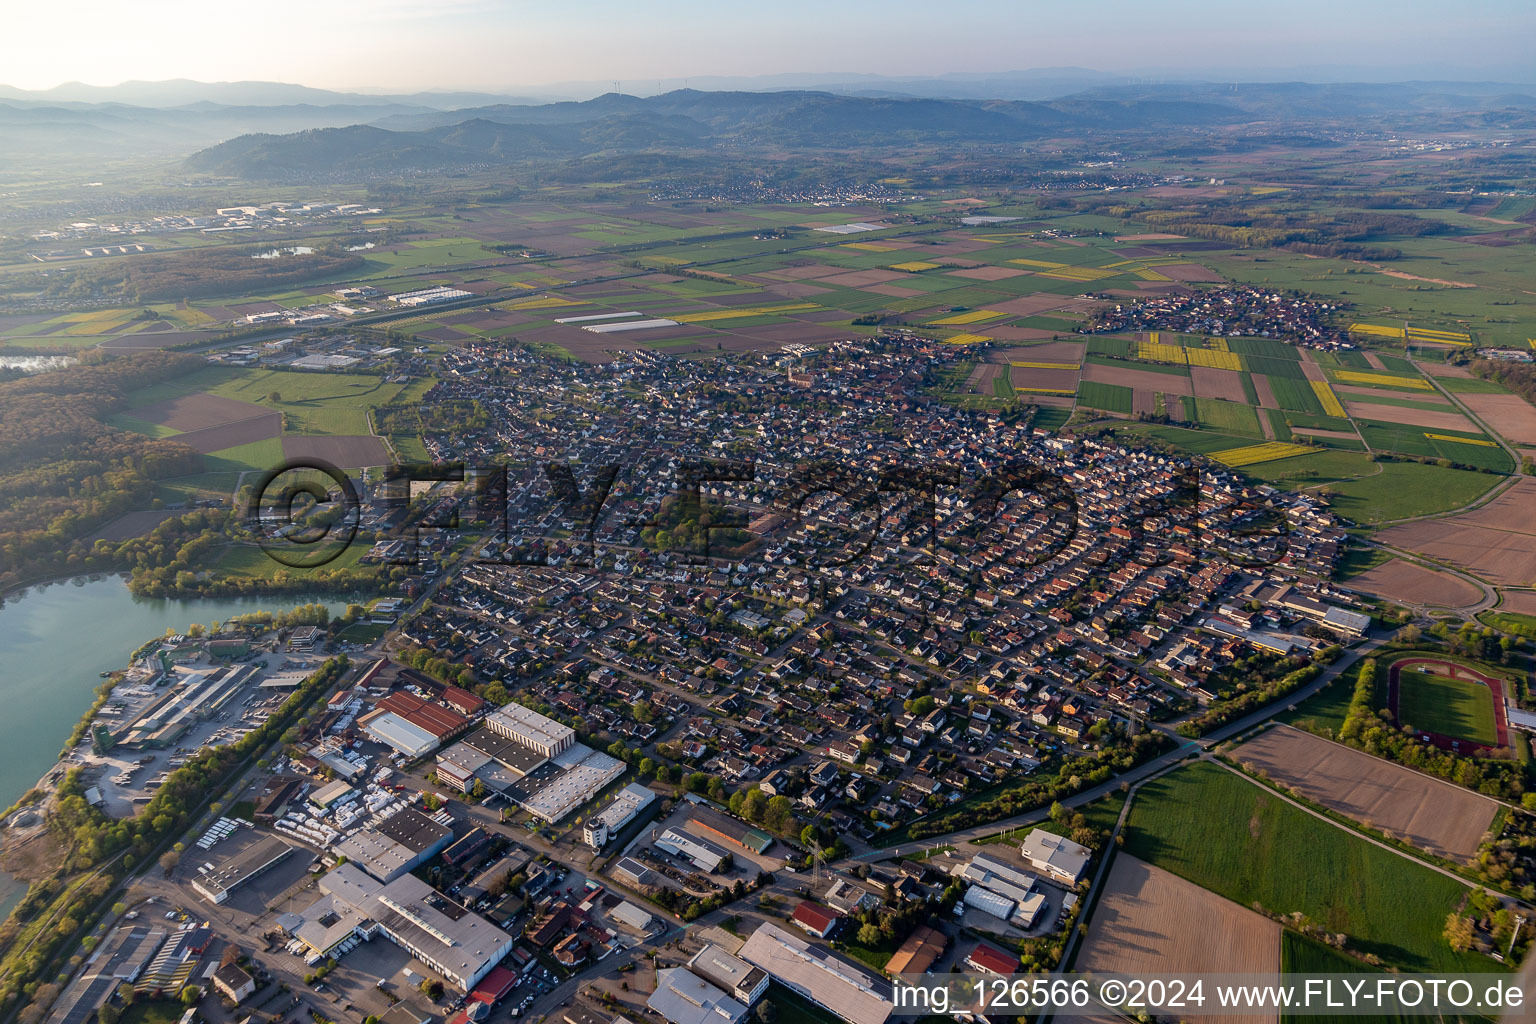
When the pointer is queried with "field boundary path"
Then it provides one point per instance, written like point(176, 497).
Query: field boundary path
point(1319, 815)
point(1474, 417)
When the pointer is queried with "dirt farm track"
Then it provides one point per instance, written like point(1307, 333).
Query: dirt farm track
point(1435, 816)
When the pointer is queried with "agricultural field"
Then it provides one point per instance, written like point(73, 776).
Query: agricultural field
point(1496, 541)
point(1152, 922)
point(248, 421)
point(1432, 814)
point(1244, 843)
point(1401, 581)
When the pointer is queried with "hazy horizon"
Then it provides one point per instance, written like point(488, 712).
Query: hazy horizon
point(512, 46)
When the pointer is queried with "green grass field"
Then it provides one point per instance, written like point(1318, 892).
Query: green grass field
point(1458, 708)
point(1243, 842)
point(1376, 492)
point(250, 562)
point(1510, 622)
point(1324, 710)
point(1301, 955)
point(1109, 397)
point(1230, 417)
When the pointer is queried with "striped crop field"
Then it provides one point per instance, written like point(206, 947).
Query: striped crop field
point(1331, 404)
point(545, 302)
point(1044, 391)
point(1442, 335)
point(739, 314)
point(1046, 366)
point(1079, 273)
point(1213, 359)
point(1439, 337)
point(1158, 352)
point(974, 316)
point(1463, 440)
point(1253, 454)
point(1044, 264)
point(1381, 380)
point(1161, 353)
point(1376, 331)
point(870, 246)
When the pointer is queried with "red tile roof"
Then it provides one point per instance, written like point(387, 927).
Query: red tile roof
point(493, 988)
point(815, 917)
point(437, 720)
point(990, 958)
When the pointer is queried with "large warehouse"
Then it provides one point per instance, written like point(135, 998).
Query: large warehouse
point(459, 944)
point(531, 760)
point(405, 840)
point(217, 883)
point(530, 729)
point(834, 983)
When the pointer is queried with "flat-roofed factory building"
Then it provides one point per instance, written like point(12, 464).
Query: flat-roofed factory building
point(459, 944)
point(814, 971)
point(398, 845)
point(216, 884)
point(530, 729)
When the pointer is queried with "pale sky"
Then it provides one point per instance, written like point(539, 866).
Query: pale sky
point(407, 45)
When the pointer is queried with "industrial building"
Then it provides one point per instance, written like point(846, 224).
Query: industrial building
point(398, 845)
point(730, 973)
point(732, 830)
point(703, 854)
point(412, 726)
point(530, 729)
point(1061, 859)
point(834, 983)
point(121, 957)
point(683, 997)
point(459, 944)
point(530, 760)
point(1002, 890)
point(919, 953)
point(632, 799)
point(216, 883)
point(991, 960)
point(190, 698)
point(816, 919)
point(430, 296)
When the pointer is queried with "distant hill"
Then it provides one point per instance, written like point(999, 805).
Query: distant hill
point(1293, 100)
point(182, 92)
point(681, 120)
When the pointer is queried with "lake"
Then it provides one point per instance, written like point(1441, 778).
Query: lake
point(57, 639)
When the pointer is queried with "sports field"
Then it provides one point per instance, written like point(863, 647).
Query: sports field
point(1458, 708)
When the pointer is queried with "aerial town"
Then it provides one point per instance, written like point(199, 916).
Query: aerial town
point(593, 514)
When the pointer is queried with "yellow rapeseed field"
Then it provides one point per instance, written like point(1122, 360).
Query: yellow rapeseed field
point(1385, 380)
point(974, 316)
point(1331, 404)
point(737, 314)
point(1376, 331)
point(1253, 454)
